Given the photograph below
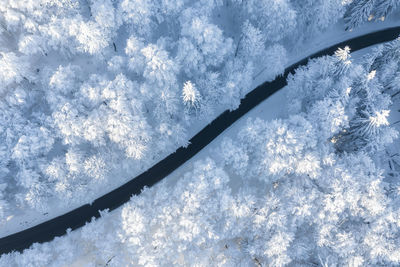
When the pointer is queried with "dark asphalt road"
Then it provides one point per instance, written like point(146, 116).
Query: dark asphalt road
point(77, 218)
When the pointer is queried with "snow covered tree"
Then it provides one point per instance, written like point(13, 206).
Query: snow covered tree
point(384, 7)
point(279, 148)
point(238, 76)
point(204, 43)
point(252, 42)
point(159, 70)
point(90, 36)
point(277, 19)
point(314, 16)
point(234, 156)
point(385, 61)
point(309, 90)
point(13, 70)
point(383, 65)
point(368, 128)
point(136, 61)
point(139, 15)
point(122, 116)
point(37, 141)
point(356, 203)
point(277, 59)
point(3, 202)
point(190, 57)
point(349, 98)
point(191, 97)
point(360, 11)
point(105, 14)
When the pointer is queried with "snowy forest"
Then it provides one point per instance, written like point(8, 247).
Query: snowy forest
point(95, 92)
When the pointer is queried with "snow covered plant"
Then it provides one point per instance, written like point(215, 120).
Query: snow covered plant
point(360, 11)
point(344, 101)
point(191, 97)
point(384, 61)
point(272, 150)
point(350, 103)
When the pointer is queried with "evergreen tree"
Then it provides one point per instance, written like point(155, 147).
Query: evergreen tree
point(360, 11)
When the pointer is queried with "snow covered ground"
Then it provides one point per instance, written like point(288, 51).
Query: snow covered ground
point(269, 109)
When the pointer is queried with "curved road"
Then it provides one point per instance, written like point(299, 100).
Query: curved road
point(77, 218)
